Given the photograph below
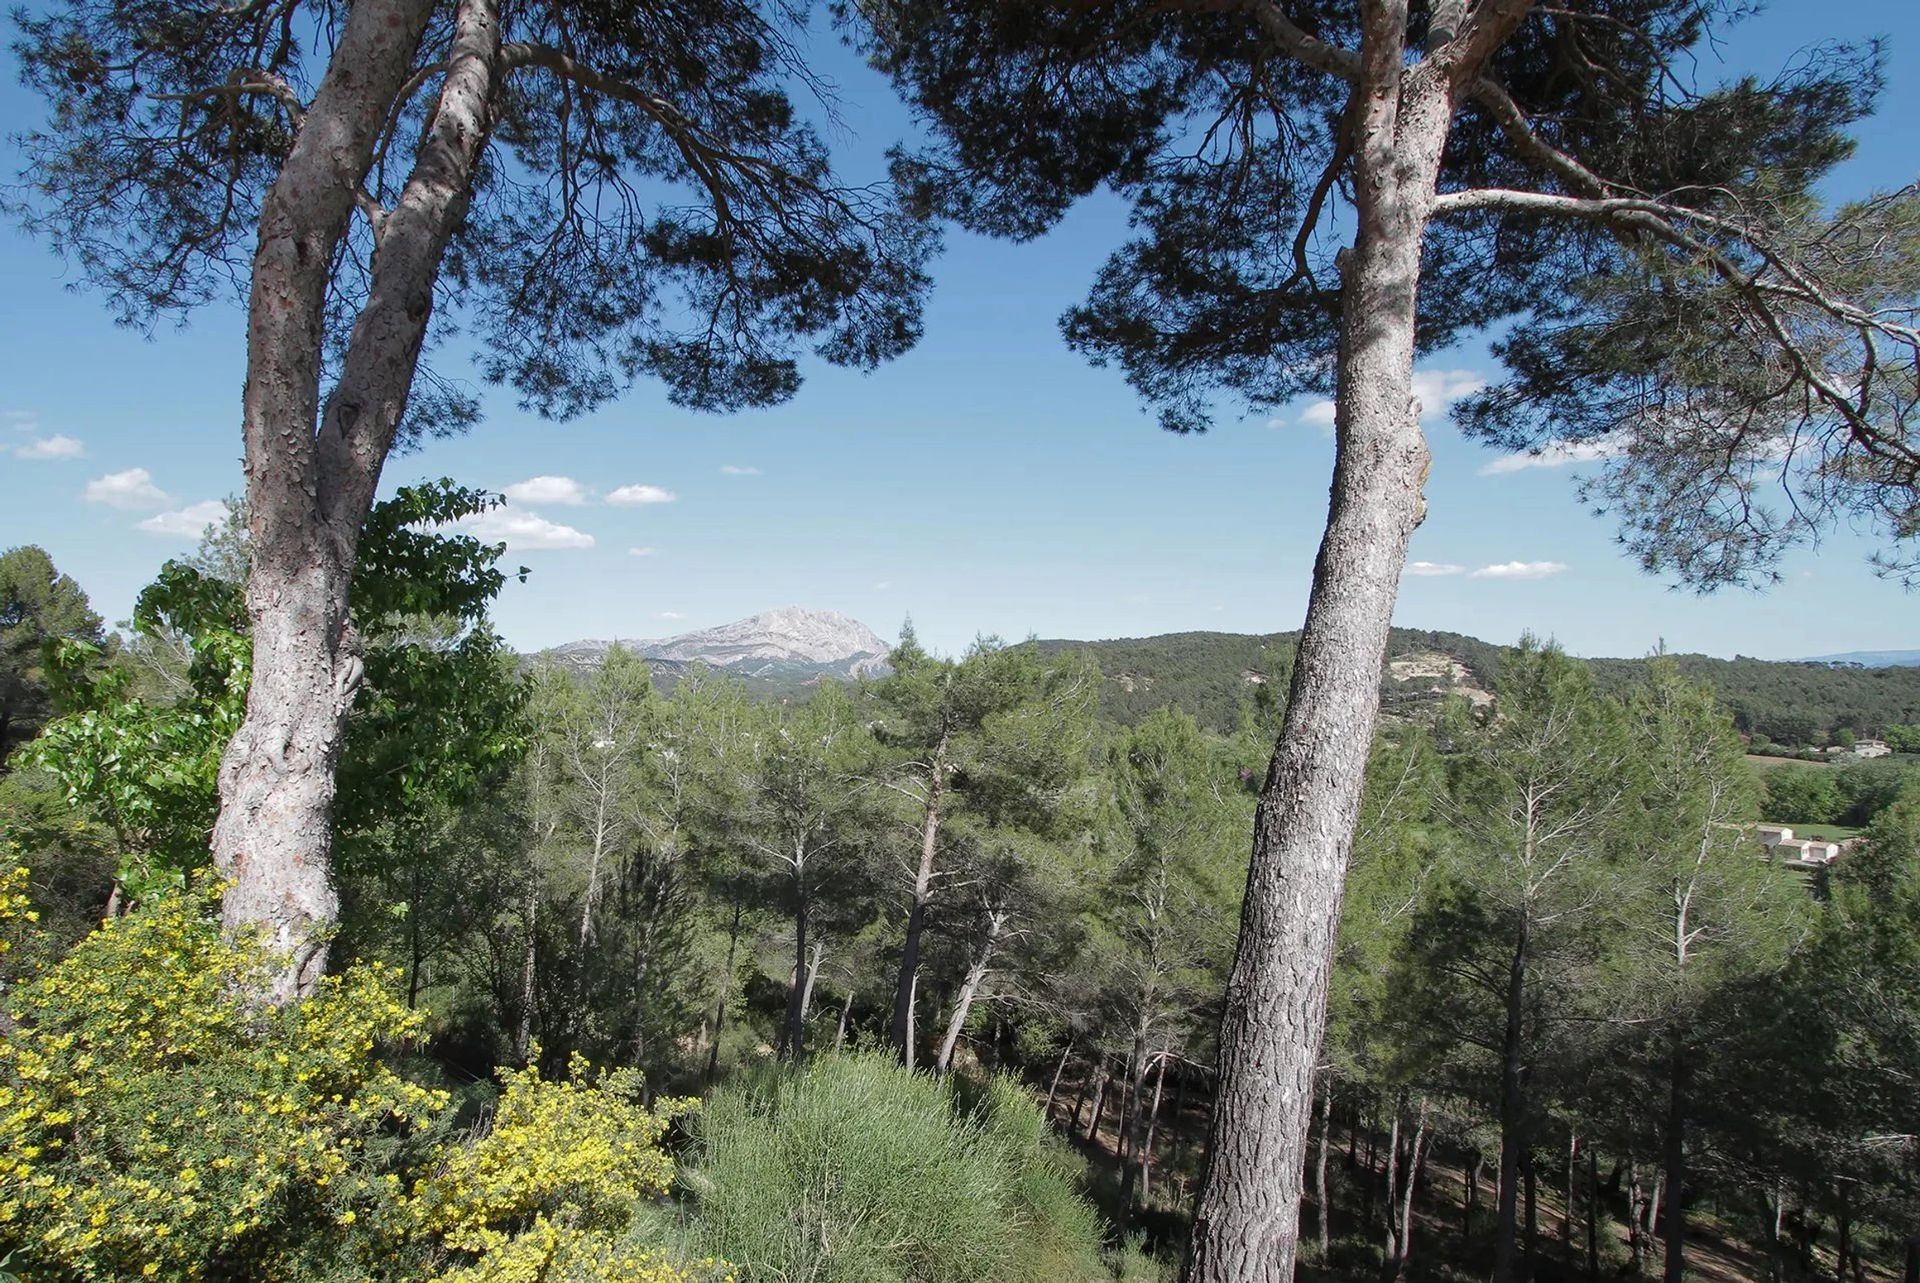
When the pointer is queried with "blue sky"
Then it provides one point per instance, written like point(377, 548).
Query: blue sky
point(990, 481)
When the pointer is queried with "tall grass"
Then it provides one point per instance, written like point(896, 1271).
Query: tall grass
point(853, 1170)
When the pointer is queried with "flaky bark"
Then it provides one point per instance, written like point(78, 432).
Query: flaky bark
point(308, 491)
point(1247, 1222)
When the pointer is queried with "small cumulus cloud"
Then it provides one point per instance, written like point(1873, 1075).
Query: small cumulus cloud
point(1435, 390)
point(189, 522)
point(131, 489)
point(1433, 568)
point(561, 490)
point(524, 531)
point(1554, 454)
point(1519, 570)
point(56, 446)
point(642, 552)
point(739, 470)
point(669, 614)
point(883, 585)
point(636, 495)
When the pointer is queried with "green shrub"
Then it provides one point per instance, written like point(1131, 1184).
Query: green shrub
point(853, 1170)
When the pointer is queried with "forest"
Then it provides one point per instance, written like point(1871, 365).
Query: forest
point(339, 942)
point(1577, 1022)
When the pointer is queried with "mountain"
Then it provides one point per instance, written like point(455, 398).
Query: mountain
point(781, 649)
point(1870, 659)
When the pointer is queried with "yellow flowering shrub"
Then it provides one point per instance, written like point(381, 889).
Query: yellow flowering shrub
point(548, 1192)
point(155, 1124)
point(16, 908)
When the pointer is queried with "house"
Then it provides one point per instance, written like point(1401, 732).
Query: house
point(1804, 852)
point(1871, 748)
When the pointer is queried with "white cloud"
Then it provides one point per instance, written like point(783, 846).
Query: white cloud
point(1554, 454)
point(641, 552)
point(883, 585)
point(189, 522)
point(739, 470)
point(133, 488)
point(53, 447)
point(670, 614)
point(561, 490)
point(1437, 390)
point(1433, 568)
point(523, 531)
point(1519, 570)
point(636, 495)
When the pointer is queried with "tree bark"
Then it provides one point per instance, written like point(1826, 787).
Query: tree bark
point(1593, 1215)
point(1053, 1088)
point(1676, 1170)
point(1513, 1108)
point(1153, 1123)
point(726, 995)
point(308, 491)
point(840, 1034)
point(1246, 1224)
point(1320, 1168)
point(793, 1037)
point(901, 1031)
point(1099, 1102)
point(969, 988)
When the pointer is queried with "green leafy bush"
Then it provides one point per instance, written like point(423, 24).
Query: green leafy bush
point(855, 1169)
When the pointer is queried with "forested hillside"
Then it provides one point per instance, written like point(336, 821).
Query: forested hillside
point(1212, 675)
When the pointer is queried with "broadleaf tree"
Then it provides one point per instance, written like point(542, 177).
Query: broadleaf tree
point(600, 192)
point(1322, 191)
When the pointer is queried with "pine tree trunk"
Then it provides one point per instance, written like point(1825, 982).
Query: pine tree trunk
point(793, 1036)
point(1153, 1123)
point(726, 995)
point(1053, 1087)
point(1566, 1210)
point(969, 988)
point(1529, 1173)
point(312, 471)
point(1676, 1173)
point(1391, 1177)
point(1593, 1215)
point(840, 1033)
point(1513, 1109)
point(901, 1031)
point(1099, 1102)
point(1470, 1196)
point(1246, 1223)
point(1843, 1228)
point(1320, 1170)
point(1912, 1272)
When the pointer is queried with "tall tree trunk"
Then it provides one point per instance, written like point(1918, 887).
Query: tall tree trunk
point(969, 988)
point(726, 995)
point(1912, 1272)
point(1676, 1171)
point(1320, 1169)
point(1513, 1108)
point(1099, 1102)
point(901, 1032)
point(793, 1036)
point(1403, 1212)
point(815, 952)
point(1593, 1215)
point(312, 472)
point(1390, 1177)
point(1843, 1230)
point(1153, 1122)
point(1247, 1221)
point(1566, 1209)
point(1470, 1195)
point(1060, 1067)
point(840, 1033)
point(523, 1028)
point(1530, 1173)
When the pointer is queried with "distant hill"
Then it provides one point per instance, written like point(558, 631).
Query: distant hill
point(1870, 659)
point(1212, 675)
